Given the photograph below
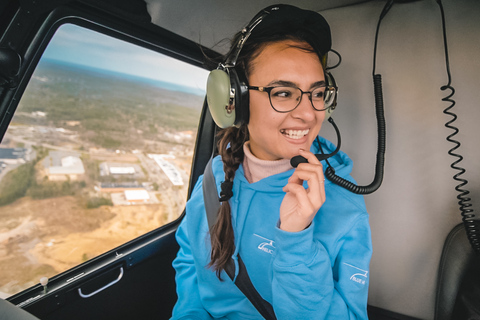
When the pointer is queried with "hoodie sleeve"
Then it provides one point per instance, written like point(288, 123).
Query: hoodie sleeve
point(189, 305)
point(311, 283)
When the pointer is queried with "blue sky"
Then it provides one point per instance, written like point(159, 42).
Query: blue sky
point(82, 46)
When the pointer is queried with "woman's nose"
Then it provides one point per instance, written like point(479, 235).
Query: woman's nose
point(305, 108)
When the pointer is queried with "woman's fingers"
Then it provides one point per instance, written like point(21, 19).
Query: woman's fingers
point(309, 156)
point(300, 205)
point(315, 193)
point(312, 173)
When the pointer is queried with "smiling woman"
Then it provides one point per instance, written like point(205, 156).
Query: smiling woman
point(133, 135)
point(309, 266)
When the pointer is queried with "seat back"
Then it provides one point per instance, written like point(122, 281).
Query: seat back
point(9, 311)
point(457, 258)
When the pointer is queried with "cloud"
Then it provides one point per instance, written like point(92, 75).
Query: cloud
point(79, 45)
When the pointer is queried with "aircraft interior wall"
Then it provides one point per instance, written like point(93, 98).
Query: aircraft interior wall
point(416, 207)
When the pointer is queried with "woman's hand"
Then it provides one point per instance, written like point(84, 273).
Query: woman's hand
point(300, 205)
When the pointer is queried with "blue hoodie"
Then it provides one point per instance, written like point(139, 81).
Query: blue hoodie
point(318, 273)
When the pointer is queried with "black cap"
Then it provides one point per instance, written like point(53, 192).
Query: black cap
point(287, 18)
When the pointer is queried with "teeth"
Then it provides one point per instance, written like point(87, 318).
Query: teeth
point(295, 134)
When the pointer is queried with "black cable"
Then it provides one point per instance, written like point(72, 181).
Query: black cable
point(463, 199)
point(381, 129)
point(386, 8)
point(381, 147)
point(339, 60)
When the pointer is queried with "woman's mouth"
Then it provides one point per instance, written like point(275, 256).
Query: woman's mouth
point(294, 134)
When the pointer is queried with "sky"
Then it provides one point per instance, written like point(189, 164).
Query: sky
point(74, 44)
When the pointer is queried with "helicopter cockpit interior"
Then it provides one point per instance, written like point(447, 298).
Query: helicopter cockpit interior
point(105, 129)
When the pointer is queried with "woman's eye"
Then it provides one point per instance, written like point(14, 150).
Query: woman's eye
point(319, 94)
point(282, 93)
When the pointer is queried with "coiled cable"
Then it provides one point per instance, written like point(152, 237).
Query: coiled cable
point(381, 129)
point(463, 199)
point(381, 147)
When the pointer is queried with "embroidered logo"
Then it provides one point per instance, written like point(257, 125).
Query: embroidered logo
point(266, 246)
point(360, 276)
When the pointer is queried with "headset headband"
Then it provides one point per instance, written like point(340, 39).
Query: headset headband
point(231, 60)
point(227, 89)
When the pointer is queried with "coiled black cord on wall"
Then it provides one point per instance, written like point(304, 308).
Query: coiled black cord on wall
point(463, 199)
point(381, 129)
point(381, 147)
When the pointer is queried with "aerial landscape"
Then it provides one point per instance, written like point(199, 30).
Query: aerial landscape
point(91, 160)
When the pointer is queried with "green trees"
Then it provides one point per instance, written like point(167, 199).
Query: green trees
point(16, 183)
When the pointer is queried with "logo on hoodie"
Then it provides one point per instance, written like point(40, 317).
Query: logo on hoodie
point(359, 275)
point(267, 244)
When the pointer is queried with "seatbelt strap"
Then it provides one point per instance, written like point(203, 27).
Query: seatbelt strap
point(210, 194)
point(243, 282)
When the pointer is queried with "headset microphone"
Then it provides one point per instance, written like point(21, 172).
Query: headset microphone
point(295, 161)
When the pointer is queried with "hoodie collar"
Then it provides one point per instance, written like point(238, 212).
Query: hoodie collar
point(340, 162)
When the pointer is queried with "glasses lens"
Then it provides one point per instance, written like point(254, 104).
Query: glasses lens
point(329, 97)
point(285, 99)
point(323, 97)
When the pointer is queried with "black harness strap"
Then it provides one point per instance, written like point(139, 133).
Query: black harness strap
point(243, 282)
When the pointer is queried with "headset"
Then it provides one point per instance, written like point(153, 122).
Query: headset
point(227, 88)
point(228, 97)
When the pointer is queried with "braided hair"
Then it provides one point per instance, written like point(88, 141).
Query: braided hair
point(230, 148)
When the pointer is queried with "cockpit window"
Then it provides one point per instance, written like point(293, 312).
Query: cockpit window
point(98, 153)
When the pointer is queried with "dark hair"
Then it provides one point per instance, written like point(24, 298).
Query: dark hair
point(231, 140)
point(230, 147)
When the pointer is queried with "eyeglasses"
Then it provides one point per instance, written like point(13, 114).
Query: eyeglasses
point(286, 99)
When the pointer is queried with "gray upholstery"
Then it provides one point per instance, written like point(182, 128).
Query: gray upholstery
point(10, 311)
point(457, 255)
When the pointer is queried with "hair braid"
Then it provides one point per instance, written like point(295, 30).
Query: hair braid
point(230, 147)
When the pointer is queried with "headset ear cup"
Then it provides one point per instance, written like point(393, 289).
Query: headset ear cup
point(220, 99)
point(328, 113)
point(330, 80)
point(241, 98)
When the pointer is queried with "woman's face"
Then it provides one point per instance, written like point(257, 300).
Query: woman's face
point(275, 135)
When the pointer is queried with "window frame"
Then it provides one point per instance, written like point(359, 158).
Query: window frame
point(35, 36)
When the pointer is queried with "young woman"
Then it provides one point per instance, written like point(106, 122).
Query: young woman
point(305, 242)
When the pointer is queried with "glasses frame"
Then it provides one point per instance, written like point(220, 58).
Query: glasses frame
point(269, 89)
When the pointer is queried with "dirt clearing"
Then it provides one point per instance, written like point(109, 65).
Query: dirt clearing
point(45, 237)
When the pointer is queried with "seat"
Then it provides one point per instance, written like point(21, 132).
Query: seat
point(457, 262)
point(9, 311)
